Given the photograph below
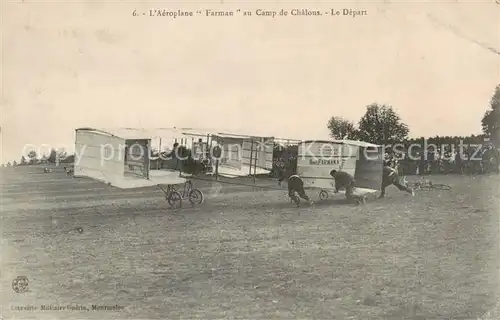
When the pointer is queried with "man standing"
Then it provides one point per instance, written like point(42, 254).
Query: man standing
point(391, 177)
point(458, 162)
point(344, 180)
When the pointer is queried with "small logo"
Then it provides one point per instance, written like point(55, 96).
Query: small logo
point(20, 284)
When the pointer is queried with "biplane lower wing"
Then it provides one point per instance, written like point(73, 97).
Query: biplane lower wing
point(358, 191)
point(157, 177)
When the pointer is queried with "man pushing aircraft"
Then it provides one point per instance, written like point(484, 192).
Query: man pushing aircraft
point(344, 180)
point(390, 177)
point(295, 186)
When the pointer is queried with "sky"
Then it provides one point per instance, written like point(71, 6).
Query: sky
point(93, 64)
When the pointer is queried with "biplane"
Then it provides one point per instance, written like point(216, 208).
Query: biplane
point(136, 158)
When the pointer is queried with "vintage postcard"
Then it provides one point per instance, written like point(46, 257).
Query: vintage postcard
point(249, 160)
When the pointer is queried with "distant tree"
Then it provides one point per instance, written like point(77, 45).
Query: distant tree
point(52, 156)
point(8, 164)
point(341, 128)
point(32, 156)
point(382, 125)
point(491, 119)
point(14, 163)
point(23, 161)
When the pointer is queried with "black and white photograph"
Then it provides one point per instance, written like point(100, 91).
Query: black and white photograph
point(250, 160)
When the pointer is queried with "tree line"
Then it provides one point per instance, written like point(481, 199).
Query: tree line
point(383, 126)
point(33, 158)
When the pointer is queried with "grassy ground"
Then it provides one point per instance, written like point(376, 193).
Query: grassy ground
point(248, 255)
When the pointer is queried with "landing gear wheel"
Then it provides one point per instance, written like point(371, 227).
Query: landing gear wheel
point(196, 197)
point(175, 200)
point(295, 200)
point(323, 195)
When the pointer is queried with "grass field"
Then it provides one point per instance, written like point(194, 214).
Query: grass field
point(247, 254)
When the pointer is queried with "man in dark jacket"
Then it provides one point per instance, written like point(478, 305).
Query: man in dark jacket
point(344, 180)
point(295, 187)
point(391, 177)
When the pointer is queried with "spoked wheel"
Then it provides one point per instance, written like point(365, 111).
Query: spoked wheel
point(196, 197)
point(323, 195)
point(175, 200)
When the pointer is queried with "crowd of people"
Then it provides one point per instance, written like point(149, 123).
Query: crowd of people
point(470, 160)
point(449, 160)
